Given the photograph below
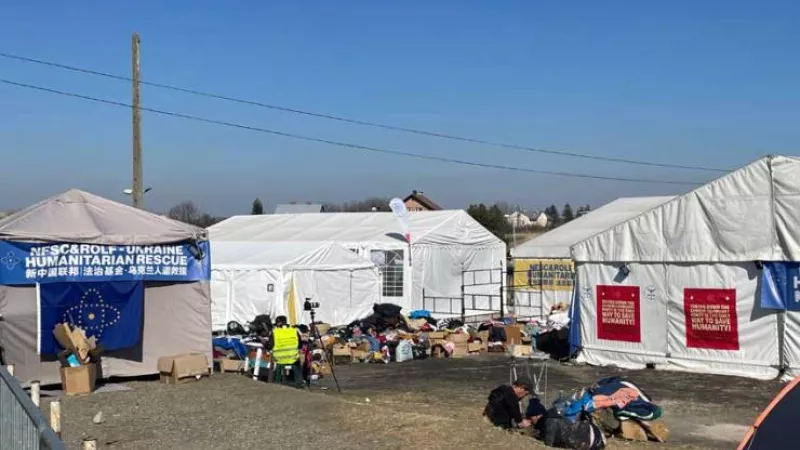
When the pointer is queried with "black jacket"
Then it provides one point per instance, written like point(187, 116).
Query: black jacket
point(503, 409)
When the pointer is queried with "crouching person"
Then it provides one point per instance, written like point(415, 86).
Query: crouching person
point(503, 409)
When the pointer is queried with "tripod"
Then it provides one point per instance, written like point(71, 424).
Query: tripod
point(318, 338)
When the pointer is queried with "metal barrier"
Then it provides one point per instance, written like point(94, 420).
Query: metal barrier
point(454, 305)
point(473, 302)
point(22, 424)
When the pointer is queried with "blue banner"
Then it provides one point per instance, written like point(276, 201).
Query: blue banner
point(25, 263)
point(112, 312)
point(780, 286)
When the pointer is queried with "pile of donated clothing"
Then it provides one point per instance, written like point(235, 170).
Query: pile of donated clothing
point(397, 337)
point(584, 420)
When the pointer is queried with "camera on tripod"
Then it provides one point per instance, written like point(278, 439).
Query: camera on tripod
point(309, 305)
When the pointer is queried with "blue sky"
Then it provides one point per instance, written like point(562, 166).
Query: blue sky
point(710, 83)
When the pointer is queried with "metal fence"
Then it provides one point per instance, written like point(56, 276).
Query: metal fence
point(490, 281)
point(22, 424)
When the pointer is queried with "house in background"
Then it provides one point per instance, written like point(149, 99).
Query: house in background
point(417, 201)
point(299, 208)
point(518, 220)
point(541, 220)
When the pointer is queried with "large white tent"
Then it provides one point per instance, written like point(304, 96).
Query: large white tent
point(275, 278)
point(444, 244)
point(543, 266)
point(679, 286)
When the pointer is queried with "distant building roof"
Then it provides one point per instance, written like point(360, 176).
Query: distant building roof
point(423, 200)
point(298, 208)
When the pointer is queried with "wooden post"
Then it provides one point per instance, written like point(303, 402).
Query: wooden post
point(55, 417)
point(138, 192)
point(89, 444)
point(35, 392)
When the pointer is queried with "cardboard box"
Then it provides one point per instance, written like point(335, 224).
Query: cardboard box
point(484, 337)
point(341, 351)
point(513, 334)
point(325, 369)
point(78, 380)
point(656, 430)
point(475, 347)
point(230, 365)
point(433, 335)
point(458, 338)
point(632, 431)
point(182, 368)
point(361, 346)
point(520, 351)
point(459, 352)
point(358, 355)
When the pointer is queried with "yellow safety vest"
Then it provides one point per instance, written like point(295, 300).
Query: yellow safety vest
point(285, 351)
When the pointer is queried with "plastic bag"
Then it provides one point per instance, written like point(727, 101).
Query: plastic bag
point(404, 351)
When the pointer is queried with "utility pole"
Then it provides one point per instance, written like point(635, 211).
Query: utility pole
point(137, 193)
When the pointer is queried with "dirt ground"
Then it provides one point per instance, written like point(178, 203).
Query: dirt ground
point(431, 404)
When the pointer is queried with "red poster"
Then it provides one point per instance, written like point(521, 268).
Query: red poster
point(711, 320)
point(618, 313)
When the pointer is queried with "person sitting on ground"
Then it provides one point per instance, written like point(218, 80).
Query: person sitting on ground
point(284, 344)
point(503, 409)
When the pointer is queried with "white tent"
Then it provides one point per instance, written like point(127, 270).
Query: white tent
point(679, 285)
point(543, 267)
point(275, 278)
point(443, 245)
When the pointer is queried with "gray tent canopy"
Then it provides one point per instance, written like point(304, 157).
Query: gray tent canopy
point(83, 218)
point(176, 315)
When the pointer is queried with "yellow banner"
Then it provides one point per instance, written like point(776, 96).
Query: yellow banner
point(543, 274)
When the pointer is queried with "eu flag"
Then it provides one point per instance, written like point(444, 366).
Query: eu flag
point(109, 311)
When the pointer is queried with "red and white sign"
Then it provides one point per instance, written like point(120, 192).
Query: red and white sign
point(711, 320)
point(618, 313)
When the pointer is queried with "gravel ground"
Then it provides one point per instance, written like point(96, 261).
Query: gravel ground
point(419, 404)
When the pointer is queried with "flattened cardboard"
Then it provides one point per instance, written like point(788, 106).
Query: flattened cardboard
point(520, 351)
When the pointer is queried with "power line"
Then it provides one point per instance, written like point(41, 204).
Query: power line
point(339, 143)
point(360, 122)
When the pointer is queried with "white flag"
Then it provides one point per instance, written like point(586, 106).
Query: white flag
point(400, 211)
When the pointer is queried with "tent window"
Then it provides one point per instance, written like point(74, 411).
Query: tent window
point(390, 264)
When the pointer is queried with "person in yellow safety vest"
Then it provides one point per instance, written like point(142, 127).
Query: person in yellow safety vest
point(284, 345)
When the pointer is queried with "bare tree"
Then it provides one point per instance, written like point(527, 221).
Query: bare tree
point(188, 212)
